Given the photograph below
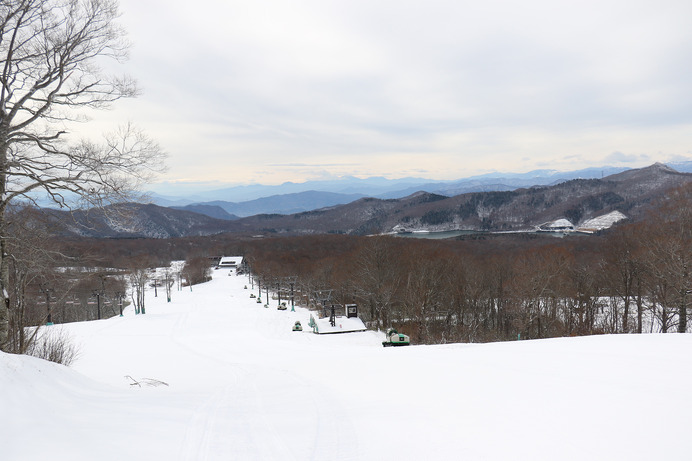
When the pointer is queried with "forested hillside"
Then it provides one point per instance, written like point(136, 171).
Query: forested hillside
point(630, 193)
point(485, 287)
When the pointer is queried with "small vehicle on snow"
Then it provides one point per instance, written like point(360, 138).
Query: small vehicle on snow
point(394, 338)
point(297, 326)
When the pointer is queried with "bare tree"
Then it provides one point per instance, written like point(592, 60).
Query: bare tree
point(377, 280)
point(139, 277)
point(197, 269)
point(168, 281)
point(30, 263)
point(670, 255)
point(49, 73)
point(425, 293)
point(622, 269)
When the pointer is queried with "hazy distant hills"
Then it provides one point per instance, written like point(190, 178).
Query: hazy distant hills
point(290, 198)
point(379, 187)
point(283, 204)
point(578, 200)
point(371, 187)
point(210, 209)
point(505, 182)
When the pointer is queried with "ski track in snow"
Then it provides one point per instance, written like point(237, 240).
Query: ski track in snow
point(265, 413)
point(251, 420)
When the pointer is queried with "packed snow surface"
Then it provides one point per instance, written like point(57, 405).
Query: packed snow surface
point(241, 385)
point(602, 222)
point(560, 224)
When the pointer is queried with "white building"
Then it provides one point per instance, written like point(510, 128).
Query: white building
point(230, 262)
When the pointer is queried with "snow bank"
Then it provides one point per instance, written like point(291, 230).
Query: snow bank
point(50, 412)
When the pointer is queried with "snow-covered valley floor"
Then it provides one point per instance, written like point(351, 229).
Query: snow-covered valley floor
point(243, 386)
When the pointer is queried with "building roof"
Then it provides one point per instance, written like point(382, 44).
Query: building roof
point(230, 261)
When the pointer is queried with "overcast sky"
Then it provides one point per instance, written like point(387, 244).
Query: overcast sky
point(268, 91)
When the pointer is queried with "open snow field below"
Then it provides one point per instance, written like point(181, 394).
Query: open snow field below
point(242, 386)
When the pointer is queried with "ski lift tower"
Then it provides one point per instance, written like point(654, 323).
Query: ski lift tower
point(291, 281)
point(324, 296)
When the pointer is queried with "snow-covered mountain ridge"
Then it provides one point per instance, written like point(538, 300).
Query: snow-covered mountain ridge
point(630, 193)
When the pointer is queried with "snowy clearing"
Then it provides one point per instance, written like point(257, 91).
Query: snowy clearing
point(241, 385)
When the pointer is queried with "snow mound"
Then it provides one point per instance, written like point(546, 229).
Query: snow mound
point(601, 222)
point(72, 417)
point(557, 225)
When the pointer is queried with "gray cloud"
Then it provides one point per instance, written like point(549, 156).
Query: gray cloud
point(360, 87)
point(313, 165)
point(619, 157)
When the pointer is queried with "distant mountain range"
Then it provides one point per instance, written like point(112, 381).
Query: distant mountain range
point(578, 200)
point(282, 204)
point(371, 187)
point(289, 198)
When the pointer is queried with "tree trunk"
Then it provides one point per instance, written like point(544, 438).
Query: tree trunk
point(640, 312)
point(4, 258)
point(682, 311)
point(4, 287)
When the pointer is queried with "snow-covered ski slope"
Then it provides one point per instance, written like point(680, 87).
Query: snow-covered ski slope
point(243, 386)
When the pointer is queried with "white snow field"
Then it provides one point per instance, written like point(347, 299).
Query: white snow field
point(243, 386)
